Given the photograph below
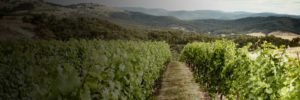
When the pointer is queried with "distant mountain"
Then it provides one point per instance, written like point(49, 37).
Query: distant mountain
point(155, 12)
point(212, 22)
point(248, 25)
point(260, 23)
point(213, 26)
point(203, 14)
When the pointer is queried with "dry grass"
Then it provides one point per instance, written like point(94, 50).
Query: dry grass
point(257, 34)
point(178, 84)
point(282, 35)
point(293, 52)
point(285, 35)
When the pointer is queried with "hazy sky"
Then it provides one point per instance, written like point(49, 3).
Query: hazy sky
point(277, 6)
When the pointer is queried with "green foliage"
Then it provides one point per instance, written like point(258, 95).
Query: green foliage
point(225, 69)
point(179, 37)
point(62, 28)
point(65, 28)
point(257, 42)
point(80, 69)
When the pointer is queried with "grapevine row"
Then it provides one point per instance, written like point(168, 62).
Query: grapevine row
point(80, 69)
point(230, 71)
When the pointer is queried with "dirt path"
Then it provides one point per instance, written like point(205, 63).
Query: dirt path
point(178, 84)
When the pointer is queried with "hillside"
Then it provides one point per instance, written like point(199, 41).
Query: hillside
point(245, 25)
point(283, 35)
point(203, 14)
point(97, 16)
point(249, 25)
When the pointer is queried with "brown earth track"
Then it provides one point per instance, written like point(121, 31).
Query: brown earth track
point(178, 84)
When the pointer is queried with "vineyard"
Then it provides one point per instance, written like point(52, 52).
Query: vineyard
point(149, 50)
point(80, 69)
point(230, 72)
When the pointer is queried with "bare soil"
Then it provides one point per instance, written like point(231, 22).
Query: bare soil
point(178, 84)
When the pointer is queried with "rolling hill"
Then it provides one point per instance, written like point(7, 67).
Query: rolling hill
point(249, 25)
point(136, 20)
point(204, 14)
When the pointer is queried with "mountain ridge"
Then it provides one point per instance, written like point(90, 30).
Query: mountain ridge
point(139, 19)
point(204, 14)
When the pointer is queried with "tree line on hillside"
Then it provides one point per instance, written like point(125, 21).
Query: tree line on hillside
point(65, 28)
point(238, 26)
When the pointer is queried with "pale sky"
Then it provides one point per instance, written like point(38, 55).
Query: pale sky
point(275, 6)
